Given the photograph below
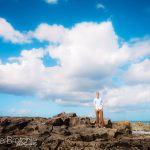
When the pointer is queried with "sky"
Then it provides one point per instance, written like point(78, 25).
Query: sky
point(55, 54)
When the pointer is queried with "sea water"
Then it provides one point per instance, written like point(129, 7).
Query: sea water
point(141, 132)
point(144, 122)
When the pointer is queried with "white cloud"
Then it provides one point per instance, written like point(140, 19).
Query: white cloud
point(81, 61)
point(51, 1)
point(137, 48)
point(88, 55)
point(26, 71)
point(138, 73)
point(87, 48)
point(126, 96)
point(8, 33)
point(100, 6)
point(19, 112)
point(51, 33)
point(73, 103)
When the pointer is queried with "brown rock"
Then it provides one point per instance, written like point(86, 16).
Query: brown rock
point(123, 127)
point(67, 131)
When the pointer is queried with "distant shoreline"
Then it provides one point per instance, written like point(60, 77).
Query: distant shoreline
point(143, 122)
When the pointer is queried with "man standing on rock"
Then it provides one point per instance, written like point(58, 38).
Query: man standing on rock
point(98, 103)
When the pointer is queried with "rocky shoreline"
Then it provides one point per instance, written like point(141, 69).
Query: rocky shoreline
point(67, 131)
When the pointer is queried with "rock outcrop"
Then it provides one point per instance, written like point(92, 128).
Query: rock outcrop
point(67, 131)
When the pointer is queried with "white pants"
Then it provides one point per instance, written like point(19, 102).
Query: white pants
point(99, 107)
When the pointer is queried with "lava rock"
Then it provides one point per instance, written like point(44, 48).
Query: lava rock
point(67, 131)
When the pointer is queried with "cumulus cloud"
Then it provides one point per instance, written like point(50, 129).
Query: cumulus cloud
point(51, 33)
point(23, 71)
point(80, 61)
point(8, 33)
point(138, 73)
point(137, 48)
point(87, 48)
point(88, 55)
point(126, 96)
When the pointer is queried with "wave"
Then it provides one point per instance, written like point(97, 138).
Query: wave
point(141, 132)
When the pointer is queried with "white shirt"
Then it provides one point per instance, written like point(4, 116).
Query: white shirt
point(98, 103)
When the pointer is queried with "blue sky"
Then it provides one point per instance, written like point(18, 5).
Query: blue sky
point(54, 55)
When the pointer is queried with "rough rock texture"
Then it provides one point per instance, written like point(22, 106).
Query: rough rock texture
point(67, 131)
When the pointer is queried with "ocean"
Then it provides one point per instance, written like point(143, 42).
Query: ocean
point(144, 122)
point(141, 132)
